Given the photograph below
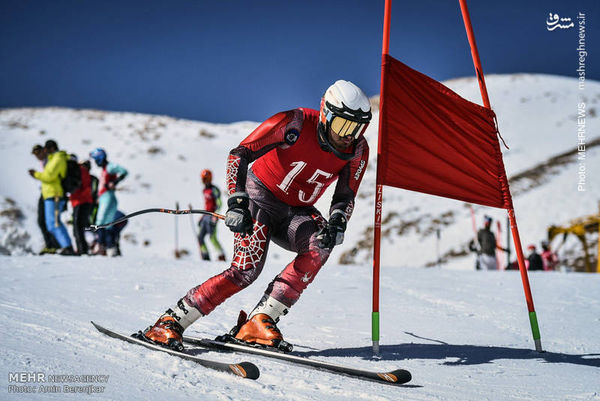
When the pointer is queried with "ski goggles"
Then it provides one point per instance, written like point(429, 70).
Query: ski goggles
point(344, 127)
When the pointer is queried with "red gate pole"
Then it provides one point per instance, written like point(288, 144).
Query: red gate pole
point(379, 187)
point(511, 212)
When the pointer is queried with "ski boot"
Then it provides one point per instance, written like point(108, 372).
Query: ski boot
point(259, 331)
point(47, 251)
point(166, 332)
point(67, 251)
point(100, 250)
point(168, 329)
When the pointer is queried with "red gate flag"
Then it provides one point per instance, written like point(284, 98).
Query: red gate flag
point(436, 142)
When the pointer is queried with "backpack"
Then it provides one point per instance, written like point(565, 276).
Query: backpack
point(72, 180)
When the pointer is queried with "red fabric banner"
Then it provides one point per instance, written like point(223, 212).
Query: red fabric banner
point(436, 142)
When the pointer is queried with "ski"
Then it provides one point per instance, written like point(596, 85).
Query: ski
point(395, 377)
point(246, 370)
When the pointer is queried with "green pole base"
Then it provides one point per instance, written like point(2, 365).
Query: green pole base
point(375, 332)
point(535, 329)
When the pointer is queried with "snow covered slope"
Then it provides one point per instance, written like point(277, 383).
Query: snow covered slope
point(536, 114)
point(537, 117)
point(463, 335)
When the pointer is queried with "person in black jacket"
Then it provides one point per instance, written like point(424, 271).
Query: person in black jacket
point(486, 251)
point(534, 260)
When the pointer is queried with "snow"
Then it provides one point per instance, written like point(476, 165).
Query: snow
point(537, 119)
point(465, 335)
point(536, 115)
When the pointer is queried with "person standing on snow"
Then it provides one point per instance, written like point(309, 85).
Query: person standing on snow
point(297, 154)
point(116, 232)
point(54, 197)
point(549, 257)
point(534, 260)
point(50, 243)
point(486, 251)
point(81, 201)
point(112, 174)
point(208, 224)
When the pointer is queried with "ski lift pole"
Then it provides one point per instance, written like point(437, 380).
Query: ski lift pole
point(598, 254)
point(438, 236)
point(511, 212)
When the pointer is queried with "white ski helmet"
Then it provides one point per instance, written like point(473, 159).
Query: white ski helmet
point(345, 110)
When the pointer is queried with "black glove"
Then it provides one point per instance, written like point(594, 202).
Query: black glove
point(238, 217)
point(333, 232)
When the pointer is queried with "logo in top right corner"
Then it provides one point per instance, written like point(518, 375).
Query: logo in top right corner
point(554, 21)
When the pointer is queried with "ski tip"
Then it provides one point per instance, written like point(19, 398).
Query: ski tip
point(398, 376)
point(245, 369)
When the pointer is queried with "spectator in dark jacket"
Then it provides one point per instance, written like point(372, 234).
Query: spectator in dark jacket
point(486, 254)
point(534, 260)
point(81, 201)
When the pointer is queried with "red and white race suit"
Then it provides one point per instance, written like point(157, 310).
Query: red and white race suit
point(289, 173)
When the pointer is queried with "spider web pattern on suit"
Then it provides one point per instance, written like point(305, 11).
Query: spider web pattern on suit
point(233, 164)
point(248, 251)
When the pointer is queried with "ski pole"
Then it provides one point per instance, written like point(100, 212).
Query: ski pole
point(177, 255)
point(474, 225)
point(507, 242)
point(499, 262)
point(192, 223)
point(154, 210)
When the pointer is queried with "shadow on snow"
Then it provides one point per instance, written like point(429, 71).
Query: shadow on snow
point(458, 354)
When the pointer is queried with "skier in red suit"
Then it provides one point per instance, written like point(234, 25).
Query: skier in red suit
point(296, 155)
point(208, 224)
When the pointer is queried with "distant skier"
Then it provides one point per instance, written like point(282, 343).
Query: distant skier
point(54, 197)
point(208, 224)
point(50, 243)
point(486, 252)
point(534, 260)
point(112, 174)
point(297, 154)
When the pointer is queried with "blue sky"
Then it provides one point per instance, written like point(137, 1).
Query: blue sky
point(229, 60)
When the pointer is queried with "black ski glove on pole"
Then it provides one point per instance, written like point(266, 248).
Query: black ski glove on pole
point(333, 232)
point(238, 217)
